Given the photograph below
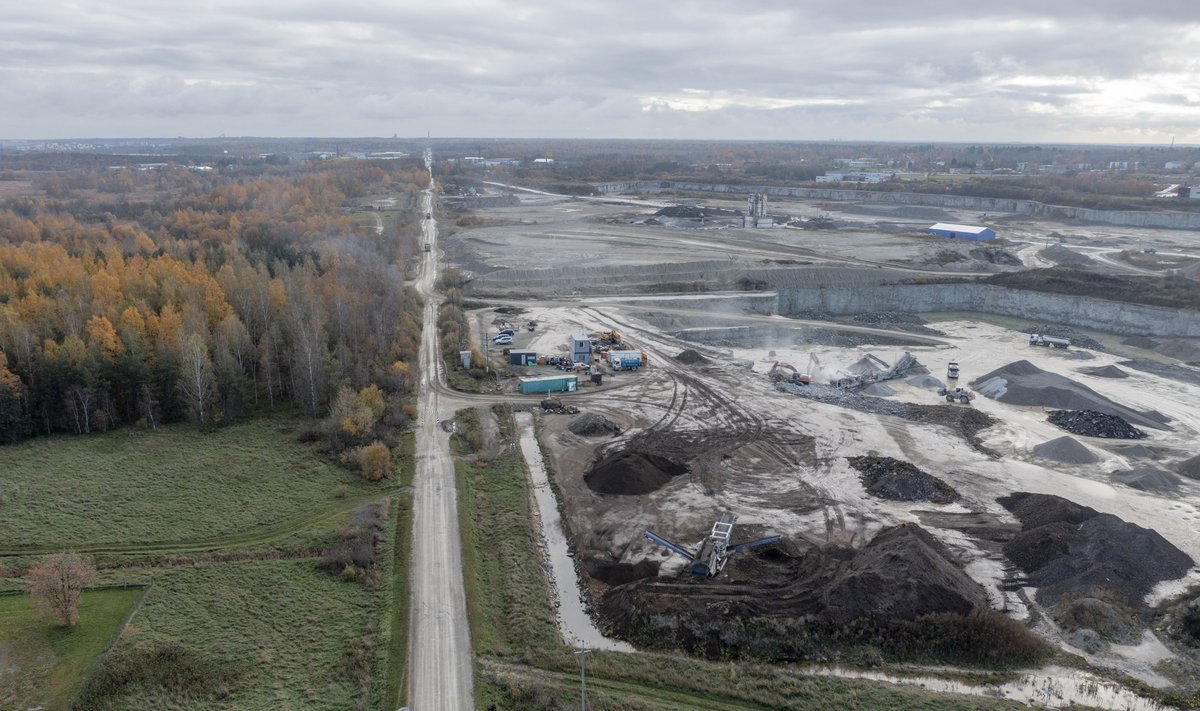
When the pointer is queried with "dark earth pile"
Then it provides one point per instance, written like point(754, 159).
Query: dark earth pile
point(1105, 371)
point(898, 480)
point(630, 473)
point(1065, 257)
point(1066, 450)
point(691, 357)
point(1071, 551)
point(1090, 423)
point(1189, 467)
point(1147, 479)
point(896, 594)
point(1023, 383)
point(591, 424)
point(1138, 451)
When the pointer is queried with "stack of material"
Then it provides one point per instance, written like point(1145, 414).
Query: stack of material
point(1090, 423)
point(1066, 450)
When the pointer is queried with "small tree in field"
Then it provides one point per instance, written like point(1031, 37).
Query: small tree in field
point(57, 583)
point(376, 461)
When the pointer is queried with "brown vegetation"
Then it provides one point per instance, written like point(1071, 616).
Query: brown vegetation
point(57, 583)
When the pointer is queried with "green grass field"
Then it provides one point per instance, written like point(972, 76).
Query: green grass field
point(41, 663)
point(276, 634)
point(172, 485)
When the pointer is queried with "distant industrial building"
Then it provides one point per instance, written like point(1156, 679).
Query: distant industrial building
point(971, 232)
point(854, 177)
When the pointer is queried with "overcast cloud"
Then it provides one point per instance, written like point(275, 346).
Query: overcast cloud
point(1069, 70)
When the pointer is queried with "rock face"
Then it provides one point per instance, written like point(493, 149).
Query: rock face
point(1090, 423)
point(1071, 551)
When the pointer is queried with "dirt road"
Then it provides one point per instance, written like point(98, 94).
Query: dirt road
point(440, 641)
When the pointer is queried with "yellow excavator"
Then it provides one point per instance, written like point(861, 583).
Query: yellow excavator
point(609, 338)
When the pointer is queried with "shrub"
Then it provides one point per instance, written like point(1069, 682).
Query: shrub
point(376, 461)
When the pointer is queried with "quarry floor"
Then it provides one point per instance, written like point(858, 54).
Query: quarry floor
point(778, 461)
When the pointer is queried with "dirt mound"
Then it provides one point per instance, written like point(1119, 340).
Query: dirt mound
point(1094, 424)
point(1105, 371)
point(1065, 450)
point(897, 480)
point(691, 357)
point(1189, 467)
point(1072, 551)
point(591, 424)
point(1065, 257)
point(925, 381)
point(631, 473)
point(1147, 479)
point(1110, 622)
point(878, 390)
point(1139, 451)
point(621, 573)
point(1023, 383)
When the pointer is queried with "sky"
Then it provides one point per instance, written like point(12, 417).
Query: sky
point(1100, 71)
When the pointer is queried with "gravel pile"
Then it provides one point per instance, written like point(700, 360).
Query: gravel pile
point(1066, 450)
point(1105, 371)
point(1189, 467)
point(878, 390)
point(1071, 551)
point(1090, 423)
point(925, 381)
point(1139, 451)
point(1023, 383)
point(1147, 479)
point(691, 357)
point(591, 424)
point(1065, 257)
point(898, 480)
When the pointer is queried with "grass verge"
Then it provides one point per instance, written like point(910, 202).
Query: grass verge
point(44, 663)
point(395, 678)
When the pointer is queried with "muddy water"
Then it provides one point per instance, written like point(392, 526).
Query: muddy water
point(1051, 687)
point(574, 623)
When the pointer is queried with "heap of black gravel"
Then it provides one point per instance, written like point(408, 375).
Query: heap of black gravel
point(1090, 423)
point(590, 424)
point(897, 480)
point(691, 357)
point(1071, 551)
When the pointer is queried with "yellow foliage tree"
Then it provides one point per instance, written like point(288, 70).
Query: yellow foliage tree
point(376, 461)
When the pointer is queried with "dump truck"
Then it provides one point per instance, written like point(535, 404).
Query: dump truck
point(1037, 339)
point(625, 360)
point(952, 370)
point(428, 247)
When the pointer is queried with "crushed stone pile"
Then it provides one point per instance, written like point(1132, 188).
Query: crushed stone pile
point(1189, 467)
point(1065, 257)
point(591, 424)
point(1071, 551)
point(1138, 451)
point(879, 390)
point(1147, 479)
point(1023, 383)
point(1105, 371)
point(632, 473)
point(692, 357)
point(925, 381)
point(1066, 450)
point(1090, 423)
point(965, 421)
point(554, 406)
point(897, 480)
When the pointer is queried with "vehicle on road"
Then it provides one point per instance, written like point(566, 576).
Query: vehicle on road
point(503, 339)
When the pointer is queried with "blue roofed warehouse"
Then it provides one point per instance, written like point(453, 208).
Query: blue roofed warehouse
point(971, 232)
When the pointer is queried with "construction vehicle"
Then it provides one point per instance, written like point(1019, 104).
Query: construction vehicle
point(962, 396)
point(714, 552)
point(1037, 339)
point(787, 373)
point(608, 338)
point(952, 370)
point(531, 325)
point(428, 247)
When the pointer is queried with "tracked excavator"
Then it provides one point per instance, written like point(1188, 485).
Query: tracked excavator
point(714, 552)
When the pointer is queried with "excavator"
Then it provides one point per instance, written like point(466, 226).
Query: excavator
point(787, 372)
point(714, 552)
point(608, 338)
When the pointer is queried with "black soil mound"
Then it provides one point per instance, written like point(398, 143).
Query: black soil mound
point(1090, 423)
point(1147, 479)
point(1189, 467)
point(897, 480)
point(691, 357)
point(1071, 551)
point(1066, 450)
point(590, 424)
point(903, 573)
point(1105, 371)
point(1023, 383)
point(632, 473)
point(621, 573)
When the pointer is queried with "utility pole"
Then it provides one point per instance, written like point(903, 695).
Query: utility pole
point(582, 654)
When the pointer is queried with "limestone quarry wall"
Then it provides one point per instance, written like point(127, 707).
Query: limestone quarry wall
point(1124, 218)
point(1085, 312)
